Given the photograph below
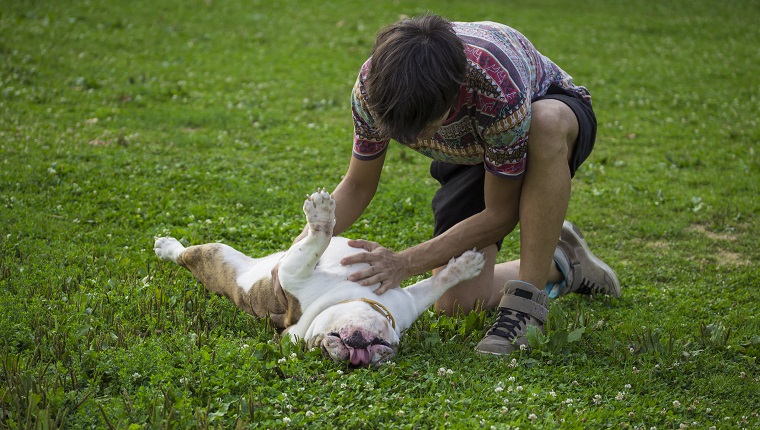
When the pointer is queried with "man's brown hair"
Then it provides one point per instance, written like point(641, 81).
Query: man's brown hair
point(416, 70)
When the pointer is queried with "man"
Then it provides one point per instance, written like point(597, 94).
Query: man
point(507, 129)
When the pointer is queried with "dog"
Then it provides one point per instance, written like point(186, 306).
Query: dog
point(348, 321)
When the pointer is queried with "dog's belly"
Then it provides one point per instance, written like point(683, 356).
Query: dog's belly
point(336, 251)
point(328, 270)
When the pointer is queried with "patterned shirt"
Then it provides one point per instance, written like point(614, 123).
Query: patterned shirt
point(491, 119)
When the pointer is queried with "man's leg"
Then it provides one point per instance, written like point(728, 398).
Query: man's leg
point(543, 205)
point(546, 188)
point(545, 196)
point(479, 293)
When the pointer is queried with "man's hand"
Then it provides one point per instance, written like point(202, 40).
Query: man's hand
point(385, 266)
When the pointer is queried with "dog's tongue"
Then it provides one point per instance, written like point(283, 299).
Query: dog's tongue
point(359, 356)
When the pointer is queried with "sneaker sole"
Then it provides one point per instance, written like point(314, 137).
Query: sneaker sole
point(569, 227)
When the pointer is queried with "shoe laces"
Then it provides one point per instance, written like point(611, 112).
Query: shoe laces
point(508, 323)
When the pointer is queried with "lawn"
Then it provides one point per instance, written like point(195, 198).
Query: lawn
point(211, 120)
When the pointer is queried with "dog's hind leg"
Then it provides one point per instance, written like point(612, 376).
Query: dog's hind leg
point(300, 260)
point(218, 268)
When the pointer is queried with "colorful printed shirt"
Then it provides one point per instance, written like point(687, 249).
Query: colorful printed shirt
point(491, 120)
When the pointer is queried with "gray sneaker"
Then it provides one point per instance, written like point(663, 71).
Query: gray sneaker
point(584, 272)
point(523, 305)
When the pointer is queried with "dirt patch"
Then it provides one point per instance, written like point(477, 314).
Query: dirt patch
point(699, 228)
point(723, 257)
point(728, 258)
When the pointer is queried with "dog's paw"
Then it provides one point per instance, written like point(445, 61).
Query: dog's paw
point(320, 208)
point(462, 268)
point(168, 248)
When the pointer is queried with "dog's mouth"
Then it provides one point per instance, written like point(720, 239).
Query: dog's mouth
point(360, 349)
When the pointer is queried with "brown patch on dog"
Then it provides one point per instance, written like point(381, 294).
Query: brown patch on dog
point(207, 265)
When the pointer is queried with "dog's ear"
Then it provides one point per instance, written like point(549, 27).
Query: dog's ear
point(316, 342)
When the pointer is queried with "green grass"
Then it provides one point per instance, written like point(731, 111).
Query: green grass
point(210, 121)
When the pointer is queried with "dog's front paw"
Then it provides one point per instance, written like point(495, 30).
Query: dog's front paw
point(168, 248)
point(462, 268)
point(320, 208)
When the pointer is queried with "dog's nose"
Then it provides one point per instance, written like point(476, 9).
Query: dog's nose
point(356, 340)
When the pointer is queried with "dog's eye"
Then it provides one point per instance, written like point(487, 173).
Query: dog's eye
point(379, 341)
point(334, 334)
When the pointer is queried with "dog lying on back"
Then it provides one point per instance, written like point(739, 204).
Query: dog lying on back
point(348, 321)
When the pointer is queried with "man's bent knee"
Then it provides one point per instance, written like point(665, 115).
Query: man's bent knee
point(553, 128)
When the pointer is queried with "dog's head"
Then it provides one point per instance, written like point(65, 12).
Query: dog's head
point(357, 331)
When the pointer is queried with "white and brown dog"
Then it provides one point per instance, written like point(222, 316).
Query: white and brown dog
point(346, 320)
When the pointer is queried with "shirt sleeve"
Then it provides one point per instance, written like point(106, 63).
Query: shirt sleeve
point(368, 143)
point(507, 142)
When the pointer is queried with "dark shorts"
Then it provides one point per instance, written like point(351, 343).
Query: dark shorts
point(461, 193)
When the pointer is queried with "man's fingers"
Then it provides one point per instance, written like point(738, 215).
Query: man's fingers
point(364, 276)
point(382, 288)
point(363, 244)
point(361, 257)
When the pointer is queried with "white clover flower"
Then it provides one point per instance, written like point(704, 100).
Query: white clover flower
point(339, 372)
point(627, 386)
point(499, 389)
point(293, 355)
point(309, 413)
point(597, 399)
point(512, 364)
point(532, 417)
point(620, 396)
point(552, 393)
point(286, 420)
point(282, 360)
point(676, 404)
point(511, 379)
